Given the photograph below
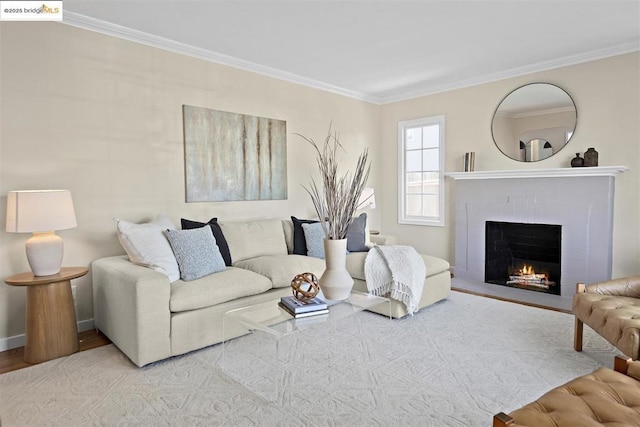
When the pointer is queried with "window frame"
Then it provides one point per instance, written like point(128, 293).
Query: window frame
point(403, 125)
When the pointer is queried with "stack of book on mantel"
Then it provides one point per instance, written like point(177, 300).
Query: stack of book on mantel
point(303, 309)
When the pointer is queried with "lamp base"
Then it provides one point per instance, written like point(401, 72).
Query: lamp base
point(44, 253)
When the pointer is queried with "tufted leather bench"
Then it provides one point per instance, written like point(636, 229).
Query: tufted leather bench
point(612, 309)
point(603, 398)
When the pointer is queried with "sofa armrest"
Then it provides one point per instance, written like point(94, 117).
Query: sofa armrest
point(383, 239)
point(623, 287)
point(131, 307)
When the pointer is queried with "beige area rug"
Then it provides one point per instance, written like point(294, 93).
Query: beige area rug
point(455, 363)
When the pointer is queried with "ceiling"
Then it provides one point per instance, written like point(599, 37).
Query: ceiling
point(378, 51)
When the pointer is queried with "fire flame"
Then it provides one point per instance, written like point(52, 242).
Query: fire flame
point(527, 276)
point(527, 269)
point(528, 272)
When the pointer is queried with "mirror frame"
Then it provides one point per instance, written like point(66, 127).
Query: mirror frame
point(501, 145)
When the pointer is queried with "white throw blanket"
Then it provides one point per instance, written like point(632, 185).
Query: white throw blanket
point(397, 271)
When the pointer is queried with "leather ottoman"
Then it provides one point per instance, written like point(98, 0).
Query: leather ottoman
point(604, 397)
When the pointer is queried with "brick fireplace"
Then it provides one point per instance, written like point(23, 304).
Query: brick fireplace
point(577, 204)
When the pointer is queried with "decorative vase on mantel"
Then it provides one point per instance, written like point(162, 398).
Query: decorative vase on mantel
point(591, 157)
point(577, 161)
point(336, 282)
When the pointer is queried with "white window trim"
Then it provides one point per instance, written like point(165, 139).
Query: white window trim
point(402, 218)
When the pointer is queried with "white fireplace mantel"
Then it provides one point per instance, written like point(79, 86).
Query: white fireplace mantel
point(540, 173)
point(580, 200)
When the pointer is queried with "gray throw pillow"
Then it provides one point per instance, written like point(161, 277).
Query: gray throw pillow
point(314, 237)
point(196, 252)
point(357, 234)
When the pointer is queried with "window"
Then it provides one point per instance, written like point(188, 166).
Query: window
point(421, 171)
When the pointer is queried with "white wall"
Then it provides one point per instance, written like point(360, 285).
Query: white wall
point(607, 96)
point(103, 117)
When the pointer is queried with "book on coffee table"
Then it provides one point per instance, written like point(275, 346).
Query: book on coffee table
point(297, 307)
point(304, 313)
point(306, 322)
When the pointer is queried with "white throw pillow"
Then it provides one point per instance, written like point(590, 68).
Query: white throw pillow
point(147, 245)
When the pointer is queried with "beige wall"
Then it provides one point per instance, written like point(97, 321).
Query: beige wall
point(607, 96)
point(103, 117)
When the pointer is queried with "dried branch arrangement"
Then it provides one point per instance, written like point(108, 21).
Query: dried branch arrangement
point(337, 198)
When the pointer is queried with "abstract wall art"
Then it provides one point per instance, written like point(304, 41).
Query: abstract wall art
point(230, 156)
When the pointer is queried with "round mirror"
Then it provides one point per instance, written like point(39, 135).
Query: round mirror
point(534, 122)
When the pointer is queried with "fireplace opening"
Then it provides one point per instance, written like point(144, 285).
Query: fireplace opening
point(523, 256)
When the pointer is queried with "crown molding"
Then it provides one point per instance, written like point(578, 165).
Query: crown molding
point(593, 55)
point(540, 173)
point(126, 33)
point(119, 31)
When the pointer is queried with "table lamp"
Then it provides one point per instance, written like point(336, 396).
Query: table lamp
point(367, 199)
point(41, 212)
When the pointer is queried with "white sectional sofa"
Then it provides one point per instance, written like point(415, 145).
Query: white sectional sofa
point(149, 318)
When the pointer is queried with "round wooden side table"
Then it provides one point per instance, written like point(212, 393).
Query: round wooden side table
point(51, 329)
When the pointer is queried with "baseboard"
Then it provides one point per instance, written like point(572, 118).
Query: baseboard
point(18, 340)
point(85, 325)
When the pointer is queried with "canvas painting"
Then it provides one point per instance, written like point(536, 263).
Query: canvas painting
point(230, 156)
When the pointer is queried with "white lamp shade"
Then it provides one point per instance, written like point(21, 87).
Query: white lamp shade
point(39, 211)
point(367, 199)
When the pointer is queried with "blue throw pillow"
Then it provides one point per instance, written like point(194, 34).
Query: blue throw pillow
point(188, 224)
point(314, 238)
point(196, 252)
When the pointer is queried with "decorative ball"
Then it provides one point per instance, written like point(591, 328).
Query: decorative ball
point(305, 286)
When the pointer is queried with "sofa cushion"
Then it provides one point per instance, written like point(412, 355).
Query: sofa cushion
point(228, 285)
point(355, 264)
point(146, 245)
point(281, 269)
point(196, 252)
point(188, 224)
point(250, 239)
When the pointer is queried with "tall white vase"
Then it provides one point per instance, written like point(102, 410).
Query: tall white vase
point(336, 282)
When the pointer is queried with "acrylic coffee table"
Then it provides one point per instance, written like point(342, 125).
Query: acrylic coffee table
point(272, 330)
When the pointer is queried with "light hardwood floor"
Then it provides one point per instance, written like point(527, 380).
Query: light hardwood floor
point(13, 359)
